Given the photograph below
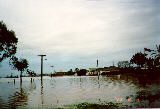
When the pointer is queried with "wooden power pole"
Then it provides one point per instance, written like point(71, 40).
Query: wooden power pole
point(41, 65)
point(52, 67)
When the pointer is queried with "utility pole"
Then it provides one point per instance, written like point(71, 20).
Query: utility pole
point(97, 69)
point(113, 62)
point(52, 68)
point(41, 65)
point(145, 62)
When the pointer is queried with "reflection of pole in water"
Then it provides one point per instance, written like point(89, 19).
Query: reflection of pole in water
point(14, 81)
point(42, 99)
point(80, 81)
point(98, 83)
point(21, 87)
point(97, 69)
point(21, 78)
point(98, 74)
point(21, 84)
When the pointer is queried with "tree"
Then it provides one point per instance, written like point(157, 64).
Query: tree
point(123, 64)
point(70, 72)
point(150, 62)
point(81, 72)
point(19, 64)
point(8, 48)
point(157, 61)
point(31, 73)
point(76, 70)
point(155, 55)
point(8, 42)
point(139, 59)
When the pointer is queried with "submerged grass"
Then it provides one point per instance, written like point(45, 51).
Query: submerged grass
point(108, 105)
point(86, 105)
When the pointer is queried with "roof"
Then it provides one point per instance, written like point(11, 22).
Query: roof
point(91, 69)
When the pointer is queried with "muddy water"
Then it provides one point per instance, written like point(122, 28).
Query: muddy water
point(68, 90)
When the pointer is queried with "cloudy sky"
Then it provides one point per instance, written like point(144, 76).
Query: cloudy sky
point(75, 33)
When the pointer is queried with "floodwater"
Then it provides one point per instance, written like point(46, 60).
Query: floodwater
point(68, 90)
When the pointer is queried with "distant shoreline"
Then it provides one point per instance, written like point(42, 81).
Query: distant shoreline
point(154, 72)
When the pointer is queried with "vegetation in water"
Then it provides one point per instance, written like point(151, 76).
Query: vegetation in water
point(85, 105)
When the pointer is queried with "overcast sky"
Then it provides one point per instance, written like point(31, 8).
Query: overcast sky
point(75, 33)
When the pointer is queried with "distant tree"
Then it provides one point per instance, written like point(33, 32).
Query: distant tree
point(139, 59)
point(31, 73)
point(70, 72)
point(19, 64)
point(8, 42)
point(150, 62)
point(76, 70)
point(155, 55)
point(157, 61)
point(123, 64)
point(81, 72)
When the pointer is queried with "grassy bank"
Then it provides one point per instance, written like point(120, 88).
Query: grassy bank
point(85, 105)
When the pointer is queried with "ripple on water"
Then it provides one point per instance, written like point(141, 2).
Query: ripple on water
point(59, 91)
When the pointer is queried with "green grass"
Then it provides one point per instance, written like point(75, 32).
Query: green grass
point(85, 105)
point(108, 105)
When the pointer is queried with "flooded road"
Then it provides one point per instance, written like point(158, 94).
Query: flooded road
point(68, 90)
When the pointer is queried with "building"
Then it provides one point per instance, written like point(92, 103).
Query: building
point(92, 71)
point(58, 74)
point(96, 71)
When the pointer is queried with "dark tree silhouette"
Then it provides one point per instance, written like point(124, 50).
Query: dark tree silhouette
point(76, 70)
point(139, 59)
point(8, 48)
point(70, 72)
point(31, 73)
point(150, 62)
point(123, 64)
point(157, 61)
point(8, 42)
point(154, 57)
point(19, 64)
point(81, 72)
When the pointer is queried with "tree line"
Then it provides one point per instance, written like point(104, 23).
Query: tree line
point(150, 59)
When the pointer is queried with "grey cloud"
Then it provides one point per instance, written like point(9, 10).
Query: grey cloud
point(75, 33)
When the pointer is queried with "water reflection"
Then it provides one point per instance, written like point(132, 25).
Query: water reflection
point(141, 80)
point(32, 87)
point(42, 95)
point(98, 83)
point(1, 102)
point(59, 91)
point(19, 98)
point(16, 95)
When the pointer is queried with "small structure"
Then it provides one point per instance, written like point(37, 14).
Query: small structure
point(58, 74)
point(101, 71)
point(92, 71)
